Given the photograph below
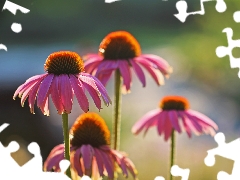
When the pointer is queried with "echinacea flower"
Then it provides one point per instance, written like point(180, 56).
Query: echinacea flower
point(90, 151)
point(121, 51)
point(174, 114)
point(65, 76)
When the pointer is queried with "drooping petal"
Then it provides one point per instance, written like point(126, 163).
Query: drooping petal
point(92, 62)
point(108, 163)
point(26, 93)
point(99, 161)
point(139, 72)
point(53, 160)
point(43, 91)
point(172, 115)
point(161, 64)
point(125, 73)
point(77, 163)
point(95, 96)
point(168, 127)
point(156, 76)
point(161, 122)
point(55, 94)
point(189, 123)
point(141, 124)
point(66, 93)
point(186, 127)
point(102, 89)
point(120, 161)
point(105, 70)
point(195, 124)
point(79, 92)
point(87, 155)
point(28, 83)
point(90, 81)
point(201, 117)
point(32, 96)
point(130, 167)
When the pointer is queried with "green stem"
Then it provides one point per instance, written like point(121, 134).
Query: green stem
point(66, 141)
point(117, 111)
point(172, 155)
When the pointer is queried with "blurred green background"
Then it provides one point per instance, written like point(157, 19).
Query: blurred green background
point(209, 83)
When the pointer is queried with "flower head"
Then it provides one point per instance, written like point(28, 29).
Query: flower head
point(90, 151)
point(174, 114)
point(121, 51)
point(65, 76)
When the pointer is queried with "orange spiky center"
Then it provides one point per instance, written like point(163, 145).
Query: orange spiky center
point(119, 45)
point(64, 62)
point(90, 128)
point(174, 103)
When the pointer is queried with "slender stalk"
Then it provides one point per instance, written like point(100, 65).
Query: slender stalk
point(172, 155)
point(117, 111)
point(66, 141)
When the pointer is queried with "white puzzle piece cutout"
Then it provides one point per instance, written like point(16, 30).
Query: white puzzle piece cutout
point(3, 47)
point(177, 171)
point(227, 150)
point(12, 7)
point(182, 9)
point(10, 170)
point(111, 1)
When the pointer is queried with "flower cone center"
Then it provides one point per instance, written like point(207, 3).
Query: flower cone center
point(119, 45)
point(90, 128)
point(174, 103)
point(64, 62)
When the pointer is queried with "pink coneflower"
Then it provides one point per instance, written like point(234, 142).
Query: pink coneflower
point(174, 114)
point(65, 76)
point(121, 51)
point(90, 151)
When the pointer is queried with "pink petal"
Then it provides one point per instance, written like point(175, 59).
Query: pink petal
point(79, 93)
point(108, 163)
point(121, 162)
point(55, 94)
point(66, 93)
point(101, 88)
point(99, 161)
point(201, 117)
point(28, 83)
point(32, 96)
point(92, 62)
point(172, 115)
point(106, 65)
point(195, 123)
point(168, 127)
point(77, 163)
point(191, 124)
point(139, 72)
point(185, 124)
point(95, 96)
point(125, 73)
point(131, 167)
point(26, 93)
point(56, 155)
point(161, 64)
point(90, 81)
point(161, 122)
point(44, 90)
point(156, 76)
point(142, 123)
point(87, 155)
